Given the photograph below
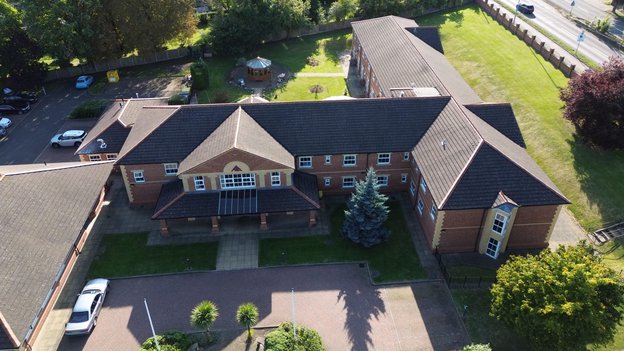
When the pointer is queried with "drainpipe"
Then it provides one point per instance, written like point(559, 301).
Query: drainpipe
point(476, 245)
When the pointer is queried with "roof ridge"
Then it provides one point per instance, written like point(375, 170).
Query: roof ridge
point(121, 112)
point(238, 120)
point(4, 325)
point(461, 174)
point(306, 197)
point(162, 209)
point(61, 166)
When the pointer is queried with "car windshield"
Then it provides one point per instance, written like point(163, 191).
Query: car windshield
point(80, 80)
point(79, 317)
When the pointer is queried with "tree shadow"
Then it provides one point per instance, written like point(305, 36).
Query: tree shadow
point(361, 307)
point(454, 15)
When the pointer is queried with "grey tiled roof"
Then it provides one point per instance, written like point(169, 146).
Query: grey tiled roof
point(238, 131)
point(302, 127)
point(175, 203)
point(114, 125)
point(501, 117)
point(143, 127)
point(44, 209)
point(402, 60)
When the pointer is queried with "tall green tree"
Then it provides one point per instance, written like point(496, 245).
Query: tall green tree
point(561, 300)
point(343, 9)
point(204, 315)
point(247, 316)
point(376, 8)
point(289, 14)
point(365, 219)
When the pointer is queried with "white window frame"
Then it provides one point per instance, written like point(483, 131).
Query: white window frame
point(403, 178)
point(139, 176)
point(111, 157)
point(412, 188)
point(349, 160)
point(276, 179)
point(200, 184)
point(95, 158)
point(383, 158)
point(238, 181)
point(383, 180)
point(171, 169)
point(305, 161)
point(423, 185)
point(420, 206)
point(327, 182)
point(500, 228)
point(406, 156)
point(353, 181)
point(492, 249)
point(433, 213)
point(328, 159)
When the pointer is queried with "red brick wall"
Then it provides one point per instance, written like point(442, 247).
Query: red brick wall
point(531, 227)
point(148, 191)
point(254, 162)
point(460, 230)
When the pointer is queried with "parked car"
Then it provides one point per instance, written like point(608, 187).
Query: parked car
point(525, 8)
point(83, 82)
point(69, 138)
point(21, 97)
point(18, 107)
point(4, 122)
point(87, 308)
point(3, 132)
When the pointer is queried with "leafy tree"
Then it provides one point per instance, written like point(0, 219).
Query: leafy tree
point(204, 315)
point(376, 8)
point(247, 316)
point(367, 213)
point(282, 339)
point(561, 300)
point(314, 12)
point(594, 103)
point(289, 14)
point(343, 9)
point(477, 347)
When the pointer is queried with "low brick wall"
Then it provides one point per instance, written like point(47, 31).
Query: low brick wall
point(561, 60)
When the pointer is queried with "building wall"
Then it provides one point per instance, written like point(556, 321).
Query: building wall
point(146, 192)
point(533, 226)
point(460, 230)
point(94, 157)
point(367, 74)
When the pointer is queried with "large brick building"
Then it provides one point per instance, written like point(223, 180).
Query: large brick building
point(472, 184)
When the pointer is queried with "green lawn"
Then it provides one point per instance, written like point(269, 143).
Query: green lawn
point(394, 260)
point(126, 254)
point(502, 68)
point(324, 48)
point(298, 89)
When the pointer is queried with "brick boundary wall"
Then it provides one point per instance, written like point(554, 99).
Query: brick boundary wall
point(528, 36)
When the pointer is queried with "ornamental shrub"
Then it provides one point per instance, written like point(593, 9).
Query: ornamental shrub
point(170, 341)
point(282, 339)
point(89, 109)
point(200, 72)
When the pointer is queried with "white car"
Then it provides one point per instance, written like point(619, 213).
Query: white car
point(5, 122)
point(87, 308)
point(69, 138)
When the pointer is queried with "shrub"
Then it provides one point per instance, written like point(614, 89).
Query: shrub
point(602, 25)
point(89, 109)
point(477, 347)
point(282, 339)
point(221, 96)
point(177, 100)
point(200, 72)
point(170, 341)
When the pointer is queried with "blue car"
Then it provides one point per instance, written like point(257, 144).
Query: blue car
point(83, 82)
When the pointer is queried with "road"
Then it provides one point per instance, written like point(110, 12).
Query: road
point(590, 10)
point(553, 21)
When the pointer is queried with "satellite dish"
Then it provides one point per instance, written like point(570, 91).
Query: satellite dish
point(102, 143)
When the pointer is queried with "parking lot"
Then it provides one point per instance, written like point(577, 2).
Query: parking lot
point(336, 300)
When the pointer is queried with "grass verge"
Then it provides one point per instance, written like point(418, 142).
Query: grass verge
point(127, 254)
point(394, 260)
point(298, 89)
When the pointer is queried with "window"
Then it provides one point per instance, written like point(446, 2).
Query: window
point(500, 221)
point(348, 182)
point(171, 169)
point(327, 181)
point(382, 180)
point(423, 185)
point(111, 157)
point(492, 248)
point(199, 183)
point(275, 179)
point(406, 156)
point(412, 188)
point(328, 159)
point(95, 158)
point(433, 213)
point(421, 206)
point(383, 159)
point(240, 180)
point(138, 176)
point(305, 161)
point(404, 178)
point(348, 160)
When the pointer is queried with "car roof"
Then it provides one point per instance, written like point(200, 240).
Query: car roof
point(83, 77)
point(84, 302)
point(74, 133)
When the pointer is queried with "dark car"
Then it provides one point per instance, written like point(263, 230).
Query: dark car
point(525, 8)
point(21, 97)
point(15, 107)
point(3, 132)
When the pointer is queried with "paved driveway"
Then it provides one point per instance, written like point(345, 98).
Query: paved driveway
point(336, 300)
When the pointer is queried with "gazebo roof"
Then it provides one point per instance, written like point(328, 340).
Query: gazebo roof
point(259, 63)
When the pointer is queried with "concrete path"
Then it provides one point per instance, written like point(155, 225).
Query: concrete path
point(238, 251)
point(567, 231)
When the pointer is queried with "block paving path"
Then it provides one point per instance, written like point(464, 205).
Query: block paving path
point(238, 251)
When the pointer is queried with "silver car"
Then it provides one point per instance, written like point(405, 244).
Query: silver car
point(69, 138)
point(87, 308)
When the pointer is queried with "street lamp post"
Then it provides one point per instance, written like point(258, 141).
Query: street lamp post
point(513, 21)
point(572, 6)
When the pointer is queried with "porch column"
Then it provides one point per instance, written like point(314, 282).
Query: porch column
point(164, 229)
point(263, 221)
point(215, 224)
point(312, 221)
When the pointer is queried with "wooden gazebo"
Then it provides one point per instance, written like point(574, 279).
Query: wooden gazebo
point(259, 69)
